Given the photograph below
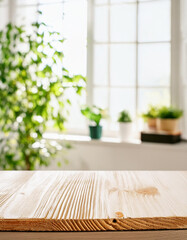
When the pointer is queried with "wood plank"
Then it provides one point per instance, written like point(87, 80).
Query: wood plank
point(92, 201)
point(127, 235)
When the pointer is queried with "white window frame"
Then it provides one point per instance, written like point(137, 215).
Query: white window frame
point(174, 86)
point(175, 91)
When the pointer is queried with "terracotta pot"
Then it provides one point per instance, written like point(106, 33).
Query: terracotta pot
point(168, 125)
point(151, 122)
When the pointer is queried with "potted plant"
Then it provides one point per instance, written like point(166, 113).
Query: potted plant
point(94, 115)
point(168, 119)
point(151, 116)
point(125, 125)
point(29, 87)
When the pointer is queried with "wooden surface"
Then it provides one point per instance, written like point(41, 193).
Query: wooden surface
point(92, 201)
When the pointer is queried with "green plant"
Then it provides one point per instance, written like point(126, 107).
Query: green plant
point(94, 114)
point(124, 117)
point(152, 112)
point(33, 86)
point(169, 113)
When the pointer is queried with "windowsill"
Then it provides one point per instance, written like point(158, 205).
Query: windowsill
point(114, 142)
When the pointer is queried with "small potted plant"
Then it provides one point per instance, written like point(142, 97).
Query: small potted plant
point(125, 125)
point(150, 116)
point(94, 115)
point(168, 119)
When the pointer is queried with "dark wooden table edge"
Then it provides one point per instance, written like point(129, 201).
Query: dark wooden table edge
point(93, 225)
point(117, 235)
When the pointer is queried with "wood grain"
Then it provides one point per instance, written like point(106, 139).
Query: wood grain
point(92, 201)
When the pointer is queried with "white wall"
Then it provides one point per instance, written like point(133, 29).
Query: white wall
point(92, 155)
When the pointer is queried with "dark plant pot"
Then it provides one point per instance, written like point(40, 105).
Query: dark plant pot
point(95, 132)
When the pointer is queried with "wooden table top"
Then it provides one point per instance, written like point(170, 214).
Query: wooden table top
point(92, 201)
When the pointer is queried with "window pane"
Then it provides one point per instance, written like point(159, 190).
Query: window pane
point(100, 65)
point(122, 99)
point(73, 25)
point(26, 2)
point(145, 0)
point(101, 2)
point(154, 64)
point(50, 1)
point(123, 22)
point(154, 21)
point(123, 1)
point(184, 62)
point(52, 15)
point(3, 16)
point(101, 24)
point(3, 2)
point(26, 15)
point(100, 97)
point(74, 29)
point(123, 64)
point(75, 119)
point(152, 96)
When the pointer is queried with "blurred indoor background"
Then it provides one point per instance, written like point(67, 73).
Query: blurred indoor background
point(132, 56)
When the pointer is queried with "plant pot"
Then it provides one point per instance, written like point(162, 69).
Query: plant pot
point(167, 125)
point(126, 130)
point(151, 122)
point(95, 132)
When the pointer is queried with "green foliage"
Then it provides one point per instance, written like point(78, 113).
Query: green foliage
point(169, 113)
point(151, 113)
point(94, 114)
point(33, 92)
point(124, 117)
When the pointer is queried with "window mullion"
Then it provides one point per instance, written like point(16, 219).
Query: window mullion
point(175, 54)
point(12, 10)
point(109, 56)
point(90, 51)
point(137, 46)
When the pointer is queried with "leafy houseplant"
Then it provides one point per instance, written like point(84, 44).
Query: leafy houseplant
point(125, 125)
point(124, 117)
point(33, 83)
point(151, 116)
point(94, 115)
point(168, 118)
